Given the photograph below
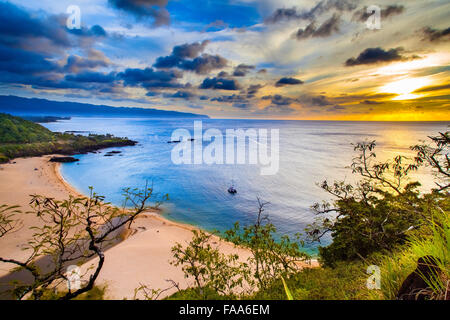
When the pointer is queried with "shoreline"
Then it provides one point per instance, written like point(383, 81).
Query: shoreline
point(142, 254)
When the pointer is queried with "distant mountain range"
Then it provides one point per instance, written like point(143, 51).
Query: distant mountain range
point(43, 107)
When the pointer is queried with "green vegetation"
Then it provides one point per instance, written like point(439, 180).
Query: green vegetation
point(343, 282)
point(219, 276)
point(382, 220)
point(23, 138)
point(212, 271)
point(17, 130)
point(96, 293)
point(435, 242)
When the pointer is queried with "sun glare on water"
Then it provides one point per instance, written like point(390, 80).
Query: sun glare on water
point(404, 88)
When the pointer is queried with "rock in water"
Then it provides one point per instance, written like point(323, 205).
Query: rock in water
point(64, 159)
point(415, 287)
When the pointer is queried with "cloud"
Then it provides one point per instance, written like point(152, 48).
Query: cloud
point(223, 74)
point(152, 94)
point(391, 10)
point(34, 46)
point(238, 101)
point(16, 60)
point(186, 95)
point(144, 9)
point(314, 101)
point(181, 52)
point(371, 102)
point(89, 76)
point(435, 35)
point(186, 57)
point(230, 99)
point(375, 55)
point(242, 70)
point(192, 106)
point(17, 26)
point(433, 88)
point(215, 26)
point(288, 81)
point(94, 31)
point(220, 84)
point(149, 78)
point(253, 89)
point(76, 63)
point(337, 108)
point(274, 110)
point(203, 64)
point(279, 100)
point(286, 14)
point(326, 29)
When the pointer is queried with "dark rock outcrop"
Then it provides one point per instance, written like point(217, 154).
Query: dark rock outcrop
point(64, 159)
point(415, 287)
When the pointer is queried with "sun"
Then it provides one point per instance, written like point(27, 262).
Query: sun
point(404, 88)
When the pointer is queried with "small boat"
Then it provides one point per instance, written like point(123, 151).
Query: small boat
point(232, 190)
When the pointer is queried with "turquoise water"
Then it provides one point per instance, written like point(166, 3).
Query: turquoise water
point(310, 151)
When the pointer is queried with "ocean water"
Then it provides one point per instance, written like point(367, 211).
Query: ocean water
point(309, 152)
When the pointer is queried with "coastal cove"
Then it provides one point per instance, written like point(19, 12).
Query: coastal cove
point(197, 193)
point(148, 244)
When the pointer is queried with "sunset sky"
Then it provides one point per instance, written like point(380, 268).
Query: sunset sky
point(284, 59)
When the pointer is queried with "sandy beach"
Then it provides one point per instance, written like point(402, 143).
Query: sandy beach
point(142, 258)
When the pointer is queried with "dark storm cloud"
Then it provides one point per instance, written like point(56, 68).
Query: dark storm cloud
point(33, 51)
point(326, 29)
point(392, 10)
point(186, 57)
point(17, 26)
point(16, 60)
point(242, 70)
point(40, 32)
point(179, 53)
point(203, 64)
point(375, 55)
point(94, 31)
point(89, 76)
point(432, 35)
point(286, 14)
point(144, 9)
point(220, 84)
point(288, 81)
point(149, 78)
